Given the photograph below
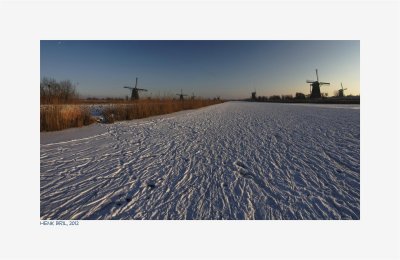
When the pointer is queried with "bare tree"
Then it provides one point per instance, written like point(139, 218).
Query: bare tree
point(52, 91)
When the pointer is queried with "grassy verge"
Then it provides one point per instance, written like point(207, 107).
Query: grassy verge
point(147, 108)
point(59, 117)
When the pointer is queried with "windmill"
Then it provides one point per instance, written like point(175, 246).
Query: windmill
point(181, 95)
point(135, 91)
point(253, 95)
point(193, 96)
point(315, 87)
point(341, 91)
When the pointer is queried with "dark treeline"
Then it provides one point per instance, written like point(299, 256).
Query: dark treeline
point(301, 98)
point(57, 92)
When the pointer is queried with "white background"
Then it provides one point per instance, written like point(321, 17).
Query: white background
point(23, 24)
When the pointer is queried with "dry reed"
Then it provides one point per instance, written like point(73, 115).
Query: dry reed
point(146, 108)
point(59, 117)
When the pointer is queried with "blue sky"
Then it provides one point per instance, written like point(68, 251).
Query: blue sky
point(230, 69)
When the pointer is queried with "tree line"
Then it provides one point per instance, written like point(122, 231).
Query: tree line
point(57, 92)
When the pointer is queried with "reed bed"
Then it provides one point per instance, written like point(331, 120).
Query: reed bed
point(59, 117)
point(146, 108)
point(55, 117)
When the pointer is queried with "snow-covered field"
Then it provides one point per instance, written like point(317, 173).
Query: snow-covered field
point(236, 160)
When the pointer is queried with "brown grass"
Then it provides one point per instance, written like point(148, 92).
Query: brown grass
point(146, 108)
point(59, 117)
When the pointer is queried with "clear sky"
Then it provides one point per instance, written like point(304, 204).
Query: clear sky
point(230, 69)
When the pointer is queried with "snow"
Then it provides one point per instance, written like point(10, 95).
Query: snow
point(236, 160)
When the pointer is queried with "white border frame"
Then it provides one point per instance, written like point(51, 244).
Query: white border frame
point(375, 24)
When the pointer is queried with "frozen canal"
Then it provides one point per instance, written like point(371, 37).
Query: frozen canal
point(236, 160)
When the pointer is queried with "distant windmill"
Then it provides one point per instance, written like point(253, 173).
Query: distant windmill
point(315, 85)
point(181, 95)
point(135, 91)
point(193, 96)
point(253, 95)
point(341, 91)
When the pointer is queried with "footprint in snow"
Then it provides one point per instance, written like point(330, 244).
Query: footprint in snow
point(278, 137)
point(242, 169)
point(151, 184)
point(119, 202)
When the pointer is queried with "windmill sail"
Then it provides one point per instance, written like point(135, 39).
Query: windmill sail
point(315, 86)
